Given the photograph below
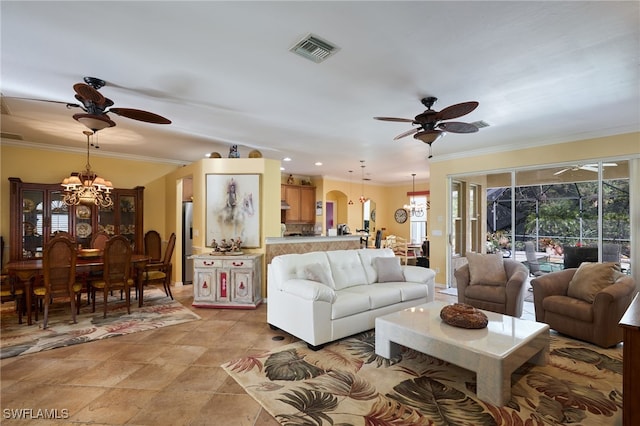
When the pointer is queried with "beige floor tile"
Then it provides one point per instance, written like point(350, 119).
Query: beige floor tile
point(115, 406)
point(152, 376)
point(173, 408)
point(229, 410)
point(107, 373)
point(179, 354)
point(199, 379)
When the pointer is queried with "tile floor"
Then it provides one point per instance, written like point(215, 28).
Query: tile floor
point(169, 376)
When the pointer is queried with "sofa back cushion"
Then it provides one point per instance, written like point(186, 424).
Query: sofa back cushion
point(346, 268)
point(298, 266)
point(368, 256)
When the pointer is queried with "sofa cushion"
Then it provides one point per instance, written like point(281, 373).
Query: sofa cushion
point(590, 278)
point(388, 269)
point(488, 293)
point(367, 256)
point(348, 303)
point(378, 295)
point(346, 268)
point(317, 272)
point(569, 307)
point(486, 269)
point(408, 291)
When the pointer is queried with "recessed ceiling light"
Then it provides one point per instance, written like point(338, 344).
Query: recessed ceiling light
point(282, 169)
point(286, 159)
point(318, 163)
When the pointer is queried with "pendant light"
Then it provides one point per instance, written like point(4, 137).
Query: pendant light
point(350, 179)
point(362, 198)
point(414, 208)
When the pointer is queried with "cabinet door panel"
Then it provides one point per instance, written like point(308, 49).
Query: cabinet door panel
point(308, 205)
point(204, 282)
point(242, 284)
point(223, 285)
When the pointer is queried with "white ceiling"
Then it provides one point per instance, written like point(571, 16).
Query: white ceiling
point(543, 72)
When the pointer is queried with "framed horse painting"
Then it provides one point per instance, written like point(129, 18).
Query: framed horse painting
point(233, 211)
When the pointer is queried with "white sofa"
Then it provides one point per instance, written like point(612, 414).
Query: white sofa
point(323, 296)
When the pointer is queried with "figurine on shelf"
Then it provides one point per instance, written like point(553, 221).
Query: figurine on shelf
point(233, 246)
point(233, 152)
point(214, 244)
point(290, 180)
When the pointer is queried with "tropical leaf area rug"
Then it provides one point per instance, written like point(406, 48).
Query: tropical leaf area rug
point(158, 311)
point(346, 383)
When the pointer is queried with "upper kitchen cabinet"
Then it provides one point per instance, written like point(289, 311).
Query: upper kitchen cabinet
point(302, 204)
point(37, 212)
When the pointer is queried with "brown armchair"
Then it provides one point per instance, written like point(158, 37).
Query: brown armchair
point(506, 299)
point(595, 322)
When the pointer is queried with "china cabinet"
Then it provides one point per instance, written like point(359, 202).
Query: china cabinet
point(227, 281)
point(38, 212)
point(302, 204)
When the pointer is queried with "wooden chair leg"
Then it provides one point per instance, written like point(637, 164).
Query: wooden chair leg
point(106, 296)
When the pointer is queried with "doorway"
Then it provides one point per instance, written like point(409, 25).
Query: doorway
point(330, 216)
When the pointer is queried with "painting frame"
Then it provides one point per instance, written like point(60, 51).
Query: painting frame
point(233, 209)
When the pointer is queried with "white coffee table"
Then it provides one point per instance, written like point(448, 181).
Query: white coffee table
point(493, 353)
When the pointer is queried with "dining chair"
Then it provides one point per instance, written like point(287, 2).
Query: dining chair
point(116, 273)
point(99, 240)
point(153, 246)
point(11, 290)
point(159, 272)
point(59, 280)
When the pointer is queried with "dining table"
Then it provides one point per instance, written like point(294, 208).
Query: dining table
point(30, 271)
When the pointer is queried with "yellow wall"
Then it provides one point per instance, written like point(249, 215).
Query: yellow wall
point(627, 145)
point(48, 166)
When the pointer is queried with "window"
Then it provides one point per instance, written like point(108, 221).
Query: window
point(418, 220)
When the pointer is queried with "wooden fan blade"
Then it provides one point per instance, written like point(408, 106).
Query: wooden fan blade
point(458, 127)
point(428, 136)
point(402, 120)
point(88, 93)
point(68, 104)
point(407, 133)
point(136, 114)
point(457, 110)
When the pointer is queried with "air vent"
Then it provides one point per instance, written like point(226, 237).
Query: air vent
point(481, 124)
point(314, 48)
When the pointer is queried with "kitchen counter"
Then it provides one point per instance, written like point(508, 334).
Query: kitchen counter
point(275, 246)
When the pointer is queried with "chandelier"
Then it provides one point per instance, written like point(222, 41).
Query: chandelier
point(350, 200)
point(362, 198)
point(86, 187)
point(415, 209)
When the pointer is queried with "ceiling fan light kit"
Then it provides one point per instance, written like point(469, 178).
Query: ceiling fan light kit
point(94, 122)
point(430, 122)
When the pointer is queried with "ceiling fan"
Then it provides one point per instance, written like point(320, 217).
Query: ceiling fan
point(431, 125)
point(590, 167)
point(96, 107)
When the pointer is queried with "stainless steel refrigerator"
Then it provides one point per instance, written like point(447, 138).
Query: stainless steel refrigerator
point(187, 242)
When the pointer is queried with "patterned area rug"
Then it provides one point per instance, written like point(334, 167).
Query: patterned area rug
point(158, 311)
point(346, 383)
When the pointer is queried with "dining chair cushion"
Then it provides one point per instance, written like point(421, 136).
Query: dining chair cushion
point(102, 284)
point(486, 269)
point(590, 278)
point(154, 275)
point(41, 291)
point(388, 269)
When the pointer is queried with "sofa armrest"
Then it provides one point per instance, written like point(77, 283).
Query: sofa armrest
point(309, 290)
point(552, 284)
point(418, 274)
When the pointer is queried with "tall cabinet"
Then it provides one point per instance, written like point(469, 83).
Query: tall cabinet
point(38, 211)
point(302, 204)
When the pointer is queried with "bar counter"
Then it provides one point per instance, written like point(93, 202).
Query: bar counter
point(304, 244)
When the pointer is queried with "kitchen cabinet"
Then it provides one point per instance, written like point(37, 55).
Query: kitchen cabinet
point(37, 212)
point(227, 281)
point(302, 202)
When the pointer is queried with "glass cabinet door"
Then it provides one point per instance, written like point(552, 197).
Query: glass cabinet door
point(83, 227)
point(128, 217)
point(33, 226)
point(107, 220)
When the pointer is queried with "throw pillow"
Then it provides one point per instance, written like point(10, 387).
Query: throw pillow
point(486, 269)
point(590, 278)
point(388, 269)
point(316, 272)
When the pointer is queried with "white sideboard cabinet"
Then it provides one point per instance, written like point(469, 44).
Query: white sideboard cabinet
point(227, 281)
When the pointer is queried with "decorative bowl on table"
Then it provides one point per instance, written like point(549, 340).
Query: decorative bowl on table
point(89, 253)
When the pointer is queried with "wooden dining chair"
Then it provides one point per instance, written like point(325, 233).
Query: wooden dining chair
point(99, 240)
point(116, 273)
point(11, 290)
point(59, 267)
point(153, 246)
point(159, 272)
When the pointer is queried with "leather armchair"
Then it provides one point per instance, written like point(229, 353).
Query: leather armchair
point(595, 322)
point(504, 299)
